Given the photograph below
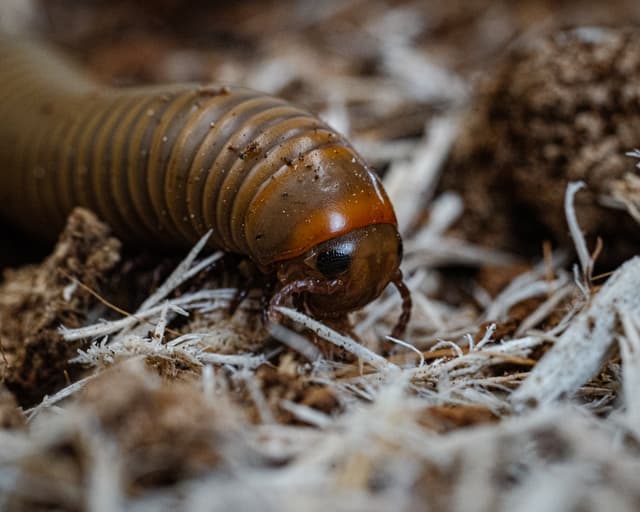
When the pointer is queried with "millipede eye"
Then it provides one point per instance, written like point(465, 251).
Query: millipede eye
point(332, 262)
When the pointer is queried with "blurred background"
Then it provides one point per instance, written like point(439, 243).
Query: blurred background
point(388, 64)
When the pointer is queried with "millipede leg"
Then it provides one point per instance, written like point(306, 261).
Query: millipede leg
point(407, 303)
point(311, 285)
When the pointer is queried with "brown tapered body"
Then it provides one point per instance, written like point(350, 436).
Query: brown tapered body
point(167, 164)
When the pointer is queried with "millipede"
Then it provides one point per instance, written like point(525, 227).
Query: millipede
point(166, 164)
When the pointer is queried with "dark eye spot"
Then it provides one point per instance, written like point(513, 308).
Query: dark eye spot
point(332, 263)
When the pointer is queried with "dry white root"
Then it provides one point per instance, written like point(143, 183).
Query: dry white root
point(580, 352)
point(582, 349)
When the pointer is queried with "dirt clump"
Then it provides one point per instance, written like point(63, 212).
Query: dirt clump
point(153, 433)
point(166, 430)
point(36, 300)
point(560, 108)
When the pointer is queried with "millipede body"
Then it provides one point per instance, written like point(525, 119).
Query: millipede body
point(164, 165)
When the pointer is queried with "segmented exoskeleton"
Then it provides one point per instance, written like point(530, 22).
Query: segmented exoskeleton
point(166, 164)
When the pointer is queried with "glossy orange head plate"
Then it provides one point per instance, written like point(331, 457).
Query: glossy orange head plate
point(325, 193)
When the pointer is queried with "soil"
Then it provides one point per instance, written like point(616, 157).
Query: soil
point(33, 307)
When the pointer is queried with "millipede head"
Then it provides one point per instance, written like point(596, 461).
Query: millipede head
point(344, 273)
